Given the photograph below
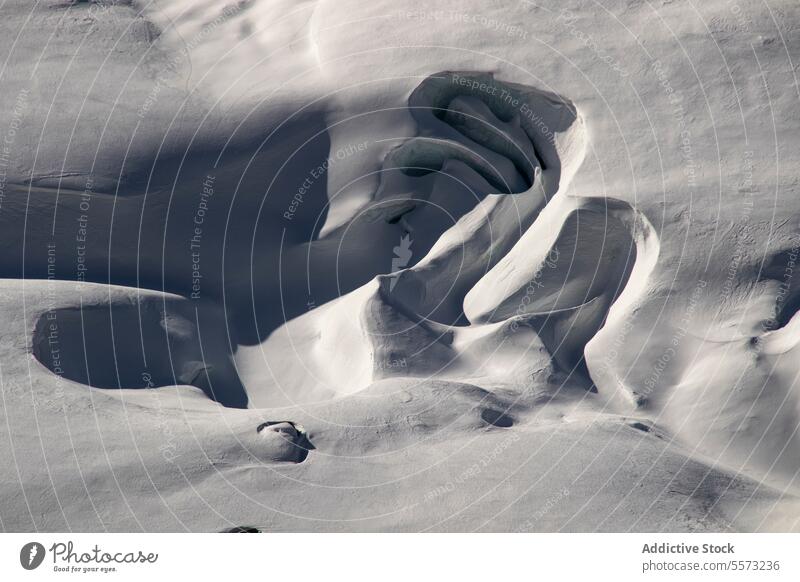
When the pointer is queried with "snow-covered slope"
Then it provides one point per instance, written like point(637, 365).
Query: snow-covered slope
point(508, 266)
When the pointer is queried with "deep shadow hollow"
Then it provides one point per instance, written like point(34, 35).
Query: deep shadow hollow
point(125, 346)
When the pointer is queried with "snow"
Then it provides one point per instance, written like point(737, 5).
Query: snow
point(377, 266)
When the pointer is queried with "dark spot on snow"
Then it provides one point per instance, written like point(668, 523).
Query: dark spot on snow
point(497, 418)
point(292, 432)
point(241, 529)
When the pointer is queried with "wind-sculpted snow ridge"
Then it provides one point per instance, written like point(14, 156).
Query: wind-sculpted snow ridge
point(533, 136)
point(508, 295)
